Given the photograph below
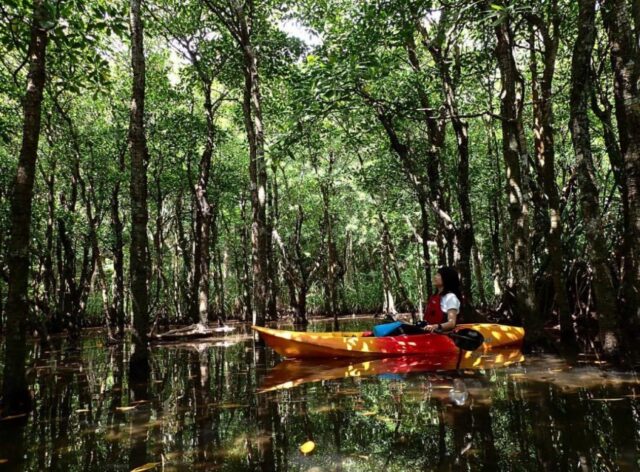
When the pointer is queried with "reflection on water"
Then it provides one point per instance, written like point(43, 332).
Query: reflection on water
point(229, 404)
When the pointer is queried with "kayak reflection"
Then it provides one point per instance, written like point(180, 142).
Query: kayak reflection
point(293, 372)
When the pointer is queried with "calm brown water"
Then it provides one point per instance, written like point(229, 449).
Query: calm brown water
point(223, 405)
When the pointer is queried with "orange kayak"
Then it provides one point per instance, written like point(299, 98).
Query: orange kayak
point(293, 372)
point(296, 344)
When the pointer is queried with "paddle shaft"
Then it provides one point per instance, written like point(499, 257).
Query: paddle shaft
point(475, 343)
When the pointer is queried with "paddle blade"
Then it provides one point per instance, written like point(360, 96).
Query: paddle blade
point(467, 339)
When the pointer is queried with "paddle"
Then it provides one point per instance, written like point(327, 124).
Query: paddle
point(466, 339)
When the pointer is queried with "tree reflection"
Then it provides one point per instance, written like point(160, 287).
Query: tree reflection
point(204, 407)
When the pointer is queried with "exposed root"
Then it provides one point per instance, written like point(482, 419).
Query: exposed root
point(194, 331)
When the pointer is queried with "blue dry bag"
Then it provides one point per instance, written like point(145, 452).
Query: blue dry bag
point(385, 329)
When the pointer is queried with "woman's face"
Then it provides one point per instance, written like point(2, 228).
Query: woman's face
point(437, 281)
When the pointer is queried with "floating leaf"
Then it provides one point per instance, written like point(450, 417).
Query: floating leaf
point(147, 466)
point(308, 447)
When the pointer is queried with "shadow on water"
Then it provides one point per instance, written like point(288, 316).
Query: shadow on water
point(232, 404)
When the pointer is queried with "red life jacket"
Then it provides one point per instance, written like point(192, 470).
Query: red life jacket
point(433, 313)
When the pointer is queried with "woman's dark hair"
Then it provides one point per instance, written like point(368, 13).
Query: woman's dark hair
point(450, 281)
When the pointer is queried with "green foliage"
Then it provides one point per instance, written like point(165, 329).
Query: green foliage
point(320, 105)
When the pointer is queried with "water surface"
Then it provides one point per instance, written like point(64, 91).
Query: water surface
point(227, 404)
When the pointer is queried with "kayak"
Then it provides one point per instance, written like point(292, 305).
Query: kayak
point(293, 372)
point(305, 345)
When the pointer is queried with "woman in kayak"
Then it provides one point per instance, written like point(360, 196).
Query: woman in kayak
point(441, 312)
point(443, 307)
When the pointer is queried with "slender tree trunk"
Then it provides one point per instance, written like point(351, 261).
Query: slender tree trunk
point(183, 244)
point(426, 234)
point(272, 221)
point(517, 188)
point(545, 153)
point(625, 61)
point(418, 183)
point(333, 266)
point(477, 268)
point(616, 160)
point(139, 253)
point(247, 288)
point(15, 393)
point(69, 293)
point(49, 274)
point(2, 305)
point(435, 126)
point(579, 125)
point(220, 277)
point(495, 204)
point(466, 234)
point(117, 301)
point(156, 277)
point(89, 198)
point(240, 25)
point(202, 257)
point(296, 272)
point(390, 251)
point(388, 305)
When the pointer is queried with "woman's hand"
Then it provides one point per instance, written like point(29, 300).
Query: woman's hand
point(430, 328)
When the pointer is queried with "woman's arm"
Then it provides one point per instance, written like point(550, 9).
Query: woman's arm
point(452, 314)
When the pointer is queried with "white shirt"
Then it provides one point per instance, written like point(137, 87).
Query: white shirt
point(448, 302)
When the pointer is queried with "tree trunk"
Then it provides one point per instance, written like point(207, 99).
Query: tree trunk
point(392, 261)
point(466, 235)
point(579, 125)
point(184, 278)
point(388, 304)
point(411, 169)
point(69, 290)
point(517, 189)
point(239, 22)
point(15, 393)
point(139, 257)
point(49, 276)
point(625, 61)
point(426, 234)
point(333, 266)
point(220, 276)
point(89, 197)
point(477, 268)
point(241, 28)
point(117, 301)
point(545, 153)
point(435, 142)
point(272, 221)
point(297, 273)
point(247, 286)
point(201, 256)
point(156, 276)
point(616, 160)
